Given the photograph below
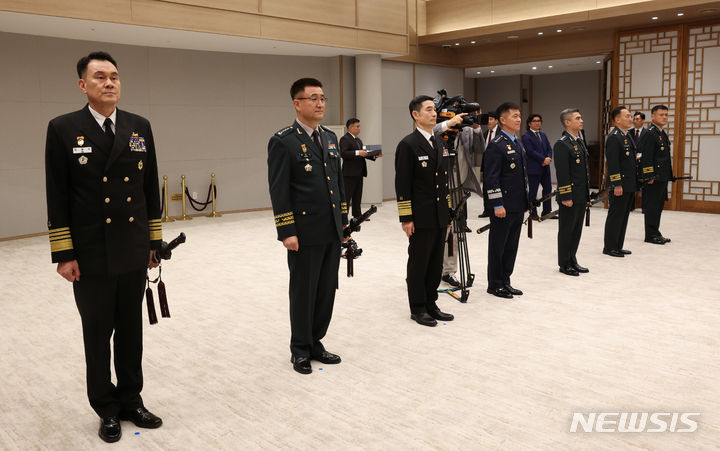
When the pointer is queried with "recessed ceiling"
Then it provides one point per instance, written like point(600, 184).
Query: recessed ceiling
point(89, 30)
point(544, 67)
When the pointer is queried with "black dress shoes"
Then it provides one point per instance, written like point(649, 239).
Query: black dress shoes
point(110, 429)
point(441, 316)
point(301, 364)
point(327, 358)
point(513, 291)
point(423, 319)
point(569, 270)
point(500, 292)
point(625, 251)
point(142, 418)
point(655, 240)
point(450, 280)
point(613, 253)
point(580, 269)
point(667, 240)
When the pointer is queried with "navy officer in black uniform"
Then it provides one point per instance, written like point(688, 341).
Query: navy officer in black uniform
point(308, 199)
point(571, 169)
point(421, 187)
point(505, 180)
point(621, 181)
point(656, 162)
point(103, 207)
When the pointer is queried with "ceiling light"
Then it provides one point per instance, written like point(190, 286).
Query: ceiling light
point(492, 71)
point(549, 67)
point(472, 42)
point(513, 36)
point(478, 73)
point(540, 33)
point(559, 30)
point(457, 43)
point(446, 46)
point(681, 14)
point(655, 18)
point(709, 11)
point(598, 62)
point(534, 67)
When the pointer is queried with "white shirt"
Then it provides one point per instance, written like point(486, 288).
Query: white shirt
point(308, 129)
point(101, 119)
point(357, 152)
point(426, 135)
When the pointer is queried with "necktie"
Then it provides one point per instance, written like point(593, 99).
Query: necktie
point(489, 138)
point(538, 136)
point(433, 143)
point(316, 140)
point(108, 130)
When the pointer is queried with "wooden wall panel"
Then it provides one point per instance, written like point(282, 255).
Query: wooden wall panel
point(79, 9)
point(246, 6)
point(387, 42)
point(529, 9)
point(336, 12)
point(389, 16)
point(313, 33)
point(184, 17)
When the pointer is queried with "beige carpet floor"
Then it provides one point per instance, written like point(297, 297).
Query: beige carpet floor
point(639, 334)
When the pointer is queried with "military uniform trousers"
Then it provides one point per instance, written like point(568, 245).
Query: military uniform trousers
point(313, 282)
point(353, 193)
point(543, 179)
point(107, 303)
point(569, 231)
point(654, 196)
point(502, 247)
point(617, 219)
point(424, 268)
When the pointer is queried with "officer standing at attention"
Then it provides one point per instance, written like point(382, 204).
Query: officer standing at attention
point(571, 168)
point(506, 184)
point(354, 165)
point(308, 199)
point(421, 187)
point(656, 161)
point(622, 174)
point(103, 207)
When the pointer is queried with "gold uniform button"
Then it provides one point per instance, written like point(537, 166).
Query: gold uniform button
point(328, 178)
point(437, 186)
point(131, 219)
point(333, 205)
point(325, 164)
point(108, 220)
point(107, 200)
point(331, 192)
point(127, 179)
point(436, 173)
point(304, 213)
point(129, 199)
point(437, 199)
point(104, 179)
point(445, 172)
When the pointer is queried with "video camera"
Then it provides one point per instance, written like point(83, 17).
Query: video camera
point(447, 107)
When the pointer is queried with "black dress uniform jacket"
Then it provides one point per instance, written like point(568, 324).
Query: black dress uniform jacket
point(572, 173)
point(421, 182)
point(656, 159)
point(103, 203)
point(621, 165)
point(306, 186)
point(506, 185)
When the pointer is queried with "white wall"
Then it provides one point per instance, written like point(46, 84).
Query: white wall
point(210, 112)
point(492, 92)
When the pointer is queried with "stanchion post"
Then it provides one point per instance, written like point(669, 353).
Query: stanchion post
point(167, 217)
point(214, 213)
point(184, 216)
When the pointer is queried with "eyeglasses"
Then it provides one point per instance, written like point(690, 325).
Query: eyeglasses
point(314, 99)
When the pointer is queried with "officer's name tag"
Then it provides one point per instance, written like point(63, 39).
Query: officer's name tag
point(510, 151)
point(82, 149)
point(423, 157)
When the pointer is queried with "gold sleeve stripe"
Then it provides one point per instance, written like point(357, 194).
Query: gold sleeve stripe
point(284, 215)
point(155, 220)
point(59, 231)
point(614, 177)
point(648, 170)
point(61, 245)
point(155, 235)
point(60, 236)
point(285, 223)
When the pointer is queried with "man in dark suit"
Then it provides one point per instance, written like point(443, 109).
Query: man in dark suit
point(656, 161)
point(621, 180)
point(637, 132)
point(490, 133)
point(354, 166)
point(505, 176)
point(421, 186)
point(571, 168)
point(308, 199)
point(103, 207)
point(539, 156)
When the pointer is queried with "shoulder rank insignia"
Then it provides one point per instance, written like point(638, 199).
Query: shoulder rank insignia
point(284, 130)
